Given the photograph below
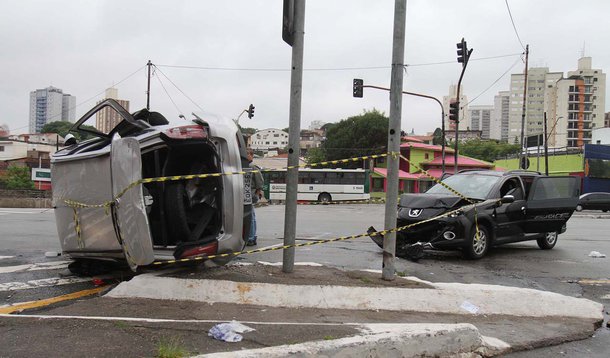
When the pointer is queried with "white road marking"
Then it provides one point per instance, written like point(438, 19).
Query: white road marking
point(54, 265)
point(47, 282)
point(605, 297)
point(6, 212)
point(6, 257)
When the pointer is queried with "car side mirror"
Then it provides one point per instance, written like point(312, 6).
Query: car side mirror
point(507, 199)
point(69, 140)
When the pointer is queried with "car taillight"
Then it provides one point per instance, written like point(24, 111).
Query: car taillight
point(209, 249)
point(187, 132)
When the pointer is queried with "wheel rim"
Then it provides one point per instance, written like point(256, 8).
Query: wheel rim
point(479, 244)
point(551, 237)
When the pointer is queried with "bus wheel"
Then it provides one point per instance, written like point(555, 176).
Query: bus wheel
point(324, 198)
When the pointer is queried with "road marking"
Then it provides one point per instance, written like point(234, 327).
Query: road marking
point(594, 282)
point(24, 212)
point(53, 281)
point(54, 265)
point(6, 257)
point(605, 297)
point(49, 301)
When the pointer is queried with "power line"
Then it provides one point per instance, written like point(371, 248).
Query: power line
point(184, 94)
point(513, 22)
point(494, 82)
point(210, 68)
point(90, 98)
point(167, 93)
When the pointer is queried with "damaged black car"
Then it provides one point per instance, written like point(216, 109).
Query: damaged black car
point(484, 208)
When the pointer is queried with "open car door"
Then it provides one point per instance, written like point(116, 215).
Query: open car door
point(129, 214)
point(550, 203)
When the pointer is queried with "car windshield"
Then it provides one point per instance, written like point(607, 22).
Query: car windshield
point(474, 186)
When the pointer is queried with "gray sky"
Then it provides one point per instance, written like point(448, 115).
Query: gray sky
point(85, 46)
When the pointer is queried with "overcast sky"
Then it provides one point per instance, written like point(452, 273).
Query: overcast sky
point(85, 46)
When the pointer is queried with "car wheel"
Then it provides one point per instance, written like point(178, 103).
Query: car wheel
point(605, 210)
point(186, 222)
point(548, 241)
point(578, 207)
point(477, 246)
point(324, 198)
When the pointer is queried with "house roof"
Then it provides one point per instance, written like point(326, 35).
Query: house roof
point(463, 161)
point(401, 173)
point(436, 148)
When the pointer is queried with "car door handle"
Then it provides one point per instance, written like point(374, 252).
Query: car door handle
point(523, 209)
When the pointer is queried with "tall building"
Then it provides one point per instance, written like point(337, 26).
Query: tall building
point(538, 80)
point(499, 120)
point(107, 118)
point(464, 115)
point(480, 119)
point(576, 106)
point(49, 105)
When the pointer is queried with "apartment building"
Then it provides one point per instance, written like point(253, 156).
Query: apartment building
point(498, 128)
point(49, 105)
point(480, 119)
point(107, 118)
point(464, 115)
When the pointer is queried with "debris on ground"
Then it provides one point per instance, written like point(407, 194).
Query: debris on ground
point(597, 254)
point(229, 332)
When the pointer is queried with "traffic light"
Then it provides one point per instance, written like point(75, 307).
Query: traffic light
point(358, 88)
point(454, 111)
point(462, 52)
point(251, 111)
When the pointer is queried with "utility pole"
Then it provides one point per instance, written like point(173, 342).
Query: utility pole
point(523, 152)
point(149, 64)
point(296, 85)
point(546, 147)
point(398, 54)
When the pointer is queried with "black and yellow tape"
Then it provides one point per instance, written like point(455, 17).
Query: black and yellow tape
point(309, 243)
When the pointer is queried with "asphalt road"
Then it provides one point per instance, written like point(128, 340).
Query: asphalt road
point(26, 234)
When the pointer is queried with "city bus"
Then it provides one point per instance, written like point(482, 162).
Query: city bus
point(322, 185)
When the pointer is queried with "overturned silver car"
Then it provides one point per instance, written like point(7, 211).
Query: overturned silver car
point(106, 210)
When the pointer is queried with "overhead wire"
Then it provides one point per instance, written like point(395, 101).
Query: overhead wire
point(90, 98)
point(167, 93)
point(494, 82)
point(513, 22)
point(178, 88)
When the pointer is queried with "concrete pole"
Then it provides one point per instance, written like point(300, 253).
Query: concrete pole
point(523, 152)
point(292, 176)
point(398, 54)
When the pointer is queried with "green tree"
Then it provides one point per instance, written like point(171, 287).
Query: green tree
point(487, 150)
point(248, 130)
point(18, 178)
point(315, 155)
point(63, 128)
point(357, 136)
point(437, 137)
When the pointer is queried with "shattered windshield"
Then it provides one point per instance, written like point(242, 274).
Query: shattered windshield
point(470, 185)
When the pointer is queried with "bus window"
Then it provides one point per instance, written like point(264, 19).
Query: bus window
point(333, 178)
point(316, 178)
point(349, 178)
point(304, 178)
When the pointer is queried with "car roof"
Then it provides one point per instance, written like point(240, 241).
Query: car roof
point(498, 173)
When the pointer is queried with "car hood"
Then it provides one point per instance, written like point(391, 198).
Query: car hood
point(422, 201)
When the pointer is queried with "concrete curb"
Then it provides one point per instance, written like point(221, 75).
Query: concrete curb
point(383, 340)
point(450, 298)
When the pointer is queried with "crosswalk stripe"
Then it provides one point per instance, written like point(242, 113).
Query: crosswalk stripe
point(46, 282)
point(54, 265)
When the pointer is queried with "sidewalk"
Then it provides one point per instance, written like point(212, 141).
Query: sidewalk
point(315, 311)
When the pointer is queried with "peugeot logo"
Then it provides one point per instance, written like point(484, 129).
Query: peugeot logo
point(415, 212)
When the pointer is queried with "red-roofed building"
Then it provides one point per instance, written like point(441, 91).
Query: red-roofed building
point(422, 157)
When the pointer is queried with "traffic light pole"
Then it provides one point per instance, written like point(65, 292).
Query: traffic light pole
point(466, 53)
point(442, 114)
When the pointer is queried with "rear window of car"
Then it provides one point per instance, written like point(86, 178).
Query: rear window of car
point(474, 186)
point(552, 188)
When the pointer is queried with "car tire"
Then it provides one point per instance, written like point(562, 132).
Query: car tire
point(578, 207)
point(548, 241)
point(324, 198)
point(476, 249)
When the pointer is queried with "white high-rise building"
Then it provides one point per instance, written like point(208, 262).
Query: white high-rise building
point(49, 105)
point(480, 119)
point(498, 128)
point(538, 80)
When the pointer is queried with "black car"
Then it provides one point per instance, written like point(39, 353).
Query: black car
point(505, 207)
point(594, 201)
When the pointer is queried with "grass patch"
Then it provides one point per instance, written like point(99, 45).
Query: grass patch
point(171, 348)
point(365, 279)
point(328, 338)
point(120, 324)
point(401, 273)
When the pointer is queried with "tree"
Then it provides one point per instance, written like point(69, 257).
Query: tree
point(18, 178)
point(437, 137)
point(357, 136)
point(487, 150)
point(247, 130)
point(315, 155)
point(63, 128)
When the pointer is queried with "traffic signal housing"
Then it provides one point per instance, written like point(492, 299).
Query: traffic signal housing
point(358, 88)
point(251, 111)
point(462, 52)
point(454, 111)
